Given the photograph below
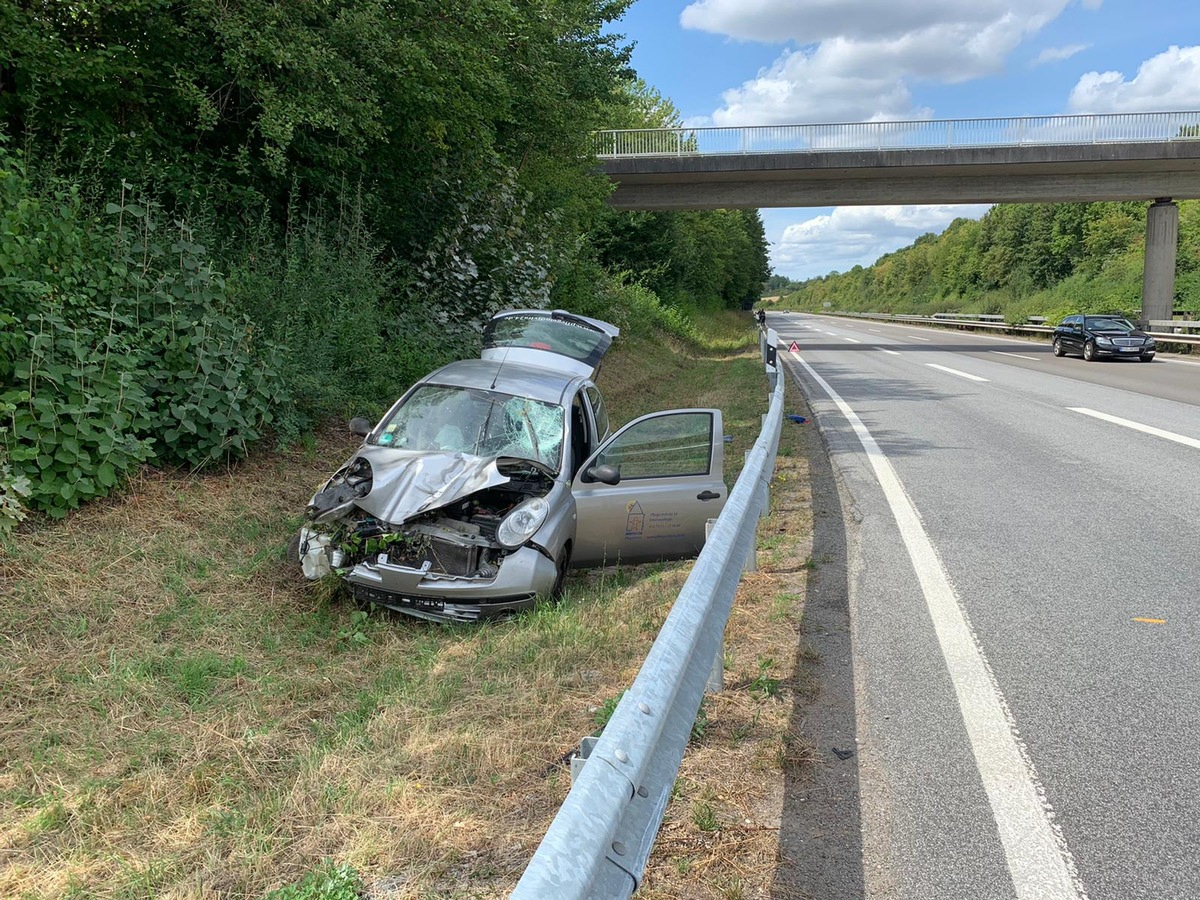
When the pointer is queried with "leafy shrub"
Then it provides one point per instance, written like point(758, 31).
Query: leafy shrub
point(327, 298)
point(118, 348)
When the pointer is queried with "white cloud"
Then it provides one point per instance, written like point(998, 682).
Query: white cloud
point(858, 235)
point(1058, 54)
point(1168, 81)
point(856, 59)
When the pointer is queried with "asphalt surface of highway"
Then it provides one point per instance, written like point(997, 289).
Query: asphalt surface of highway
point(1022, 563)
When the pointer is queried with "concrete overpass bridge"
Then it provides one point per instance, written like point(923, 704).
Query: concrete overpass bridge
point(1044, 159)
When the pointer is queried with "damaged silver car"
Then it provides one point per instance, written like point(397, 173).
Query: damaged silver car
point(490, 477)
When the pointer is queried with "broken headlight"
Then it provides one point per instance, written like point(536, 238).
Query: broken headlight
point(522, 522)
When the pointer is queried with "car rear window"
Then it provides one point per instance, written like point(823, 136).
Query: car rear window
point(571, 338)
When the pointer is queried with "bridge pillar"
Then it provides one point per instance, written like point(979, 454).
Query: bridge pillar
point(1158, 278)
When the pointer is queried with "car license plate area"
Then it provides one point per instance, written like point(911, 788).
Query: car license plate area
point(387, 598)
point(1130, 349)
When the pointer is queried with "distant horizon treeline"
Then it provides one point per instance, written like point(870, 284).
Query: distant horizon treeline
point(1018, 260)
point(221, 223)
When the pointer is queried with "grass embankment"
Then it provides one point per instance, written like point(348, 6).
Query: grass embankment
point(182, 716)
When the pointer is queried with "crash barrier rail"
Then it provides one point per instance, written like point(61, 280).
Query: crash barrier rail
point(1158, 333)
point(907, 135)
point(599, 841)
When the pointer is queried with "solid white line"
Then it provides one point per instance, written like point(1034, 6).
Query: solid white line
point(1039, 860)
point(1138, 426)
point(886, 350)
point(955, 372)
point(852, 340)
point(1018, 355)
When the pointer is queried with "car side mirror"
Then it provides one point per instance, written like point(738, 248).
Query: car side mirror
point(605, 474)
point(360, 426)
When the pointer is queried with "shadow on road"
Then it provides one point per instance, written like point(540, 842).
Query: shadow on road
point(819, 838)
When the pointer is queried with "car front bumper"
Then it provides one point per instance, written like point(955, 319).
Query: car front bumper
point(1123, 352)
point(524, 574)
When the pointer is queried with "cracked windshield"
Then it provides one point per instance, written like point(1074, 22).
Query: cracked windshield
point(478, 422)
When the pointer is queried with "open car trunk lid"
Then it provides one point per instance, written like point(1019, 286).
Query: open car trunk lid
point(552, 339)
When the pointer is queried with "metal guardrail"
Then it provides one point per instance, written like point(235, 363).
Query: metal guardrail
point(912, 135)
point(599, 841)
point(1162, 337)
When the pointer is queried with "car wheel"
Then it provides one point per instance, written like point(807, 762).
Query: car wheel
point(1089, 351)
point(1058, 348)
point(560, 578)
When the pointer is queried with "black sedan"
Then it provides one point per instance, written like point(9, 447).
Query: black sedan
point(1101, 337)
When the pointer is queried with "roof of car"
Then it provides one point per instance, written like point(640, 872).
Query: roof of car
point(546, 385)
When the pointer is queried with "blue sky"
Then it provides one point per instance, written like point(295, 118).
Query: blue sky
point(761, 62)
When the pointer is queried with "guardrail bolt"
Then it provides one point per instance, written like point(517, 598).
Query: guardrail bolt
point(621, 756)
point(618, 848)
point(642, 792)
point(644, 708)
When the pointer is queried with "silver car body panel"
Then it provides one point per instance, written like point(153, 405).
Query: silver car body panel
point(408, 482)
point(649, 518)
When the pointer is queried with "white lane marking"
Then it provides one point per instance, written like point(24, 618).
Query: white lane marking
point(955, 372)
point(852, 340)
point(1178, 362)
point(915, 338)
point(1138, 426)
point(874, 331)
point(1018, 355)
point(1039, 861)
point(886, 350)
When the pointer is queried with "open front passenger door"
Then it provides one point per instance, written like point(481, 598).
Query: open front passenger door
point(671, 467)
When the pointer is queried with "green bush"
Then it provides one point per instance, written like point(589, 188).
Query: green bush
point(328, 299)
point(119, 348)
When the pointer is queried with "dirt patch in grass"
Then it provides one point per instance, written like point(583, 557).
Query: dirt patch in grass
point(184, 717)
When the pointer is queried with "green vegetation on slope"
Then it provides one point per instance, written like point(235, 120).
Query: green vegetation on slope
point(1018, 260)
point(222, 223)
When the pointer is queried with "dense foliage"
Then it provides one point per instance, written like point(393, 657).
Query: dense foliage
point(1019, 260)
point(226, 220)
point(120, 347)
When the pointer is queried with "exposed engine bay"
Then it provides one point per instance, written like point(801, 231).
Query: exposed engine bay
point(455, 540)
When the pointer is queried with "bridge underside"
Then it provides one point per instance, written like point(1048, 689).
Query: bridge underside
point(1045, 174)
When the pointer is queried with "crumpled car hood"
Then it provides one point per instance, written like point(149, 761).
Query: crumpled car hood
point(408, 482)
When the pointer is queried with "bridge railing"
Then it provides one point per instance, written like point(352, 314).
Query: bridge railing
point(598, 844)
point(915, 135)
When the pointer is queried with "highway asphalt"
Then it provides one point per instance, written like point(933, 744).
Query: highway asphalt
point(1022, 566)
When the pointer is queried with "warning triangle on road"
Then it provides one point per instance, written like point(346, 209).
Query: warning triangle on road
point(793, 347)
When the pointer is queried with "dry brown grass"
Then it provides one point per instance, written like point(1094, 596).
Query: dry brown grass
point(182, 717)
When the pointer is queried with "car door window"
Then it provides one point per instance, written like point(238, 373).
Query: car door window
point(599, 411)
point(674, 445)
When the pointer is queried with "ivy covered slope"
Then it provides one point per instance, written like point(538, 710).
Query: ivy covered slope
point(1019, 260)
point(227, 222)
